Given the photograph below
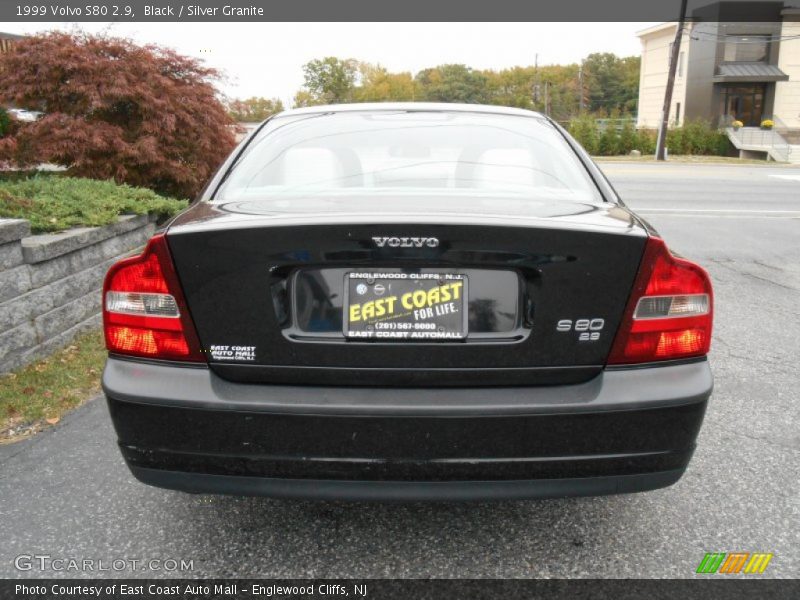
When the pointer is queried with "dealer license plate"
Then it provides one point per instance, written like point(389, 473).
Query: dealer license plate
point(405, 306)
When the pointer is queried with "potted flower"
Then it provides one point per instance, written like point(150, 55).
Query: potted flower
point(736, 124)
point(767, 124)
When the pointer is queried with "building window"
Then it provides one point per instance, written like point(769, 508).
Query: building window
point(746, 48)
point(677, 114)
point(680, 64)
point(743, 102)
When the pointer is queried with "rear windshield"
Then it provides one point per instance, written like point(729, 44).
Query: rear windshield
point(417, 153)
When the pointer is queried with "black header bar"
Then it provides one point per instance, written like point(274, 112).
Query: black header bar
point(390, 10)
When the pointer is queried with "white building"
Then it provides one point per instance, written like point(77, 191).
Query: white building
point(745, 71)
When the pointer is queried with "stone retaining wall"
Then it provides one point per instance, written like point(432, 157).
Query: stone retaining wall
point(50, 285)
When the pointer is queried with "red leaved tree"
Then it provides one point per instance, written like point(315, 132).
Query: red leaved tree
point(145, 116)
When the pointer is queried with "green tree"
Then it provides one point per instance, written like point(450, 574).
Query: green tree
point(329, 80)
point(611, 82)
point(378, 85)
point(304, 98)
point(453, 83)
point(564, 99)
point(551, 88)
point(610, 85)
point(254, 109)
point(511, 87)
point(631, 66)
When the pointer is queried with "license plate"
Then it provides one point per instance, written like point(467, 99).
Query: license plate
point(405, 306)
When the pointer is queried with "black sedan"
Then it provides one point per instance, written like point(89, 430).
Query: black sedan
point(408, 301)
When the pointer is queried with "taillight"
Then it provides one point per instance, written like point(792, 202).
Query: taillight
point(144, 311)
point(669, 313)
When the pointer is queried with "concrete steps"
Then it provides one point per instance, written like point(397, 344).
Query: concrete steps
point(754, 141)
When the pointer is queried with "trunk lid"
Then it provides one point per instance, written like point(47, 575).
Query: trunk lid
point(547, 285)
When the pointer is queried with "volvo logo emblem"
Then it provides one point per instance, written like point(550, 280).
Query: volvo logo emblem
point(406, 242)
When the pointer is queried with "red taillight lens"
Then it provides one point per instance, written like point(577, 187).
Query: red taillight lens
point(670, 311)
point(144, 311)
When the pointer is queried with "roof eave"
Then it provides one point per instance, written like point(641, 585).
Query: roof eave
point(749, 78)
point(656, 28)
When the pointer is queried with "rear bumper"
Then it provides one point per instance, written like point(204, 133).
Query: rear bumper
point(405, 491)
point(623, 431)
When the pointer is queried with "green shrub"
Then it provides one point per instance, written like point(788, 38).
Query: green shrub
point(609, 144)
point(646, 141)
point(55, 203)
point(721, 145)
point(694, 137)
point(584, 130)
point(5, 121)
point(677, 141)
point(627, 138)
point(697, 137)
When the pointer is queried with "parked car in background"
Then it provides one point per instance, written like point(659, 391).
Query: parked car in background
point(408, 301)
point(21, 114)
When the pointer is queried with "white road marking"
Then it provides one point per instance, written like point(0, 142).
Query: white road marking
point(678, 215)
point(718, 210)
point(789, 177)
point(721, 213)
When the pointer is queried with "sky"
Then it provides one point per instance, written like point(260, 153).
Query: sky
point(266, 59)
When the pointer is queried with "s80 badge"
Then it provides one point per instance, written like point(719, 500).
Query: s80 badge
point(588, 329)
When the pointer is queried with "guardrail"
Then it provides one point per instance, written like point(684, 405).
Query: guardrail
point(618, 124)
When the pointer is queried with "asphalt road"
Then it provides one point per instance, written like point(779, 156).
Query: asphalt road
point(67, 493)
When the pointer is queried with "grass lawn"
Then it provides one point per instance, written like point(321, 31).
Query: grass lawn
point(38, 395)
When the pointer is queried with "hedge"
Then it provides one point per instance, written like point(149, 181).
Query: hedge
point(54, 203)
point(694, 137)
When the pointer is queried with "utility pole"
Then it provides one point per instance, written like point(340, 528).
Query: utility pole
point(547, 98)
point(673, 66)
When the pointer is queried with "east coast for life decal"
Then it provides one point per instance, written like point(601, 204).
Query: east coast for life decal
point(400, 306)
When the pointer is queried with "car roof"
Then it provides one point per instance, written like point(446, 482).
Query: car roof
point(411, 107)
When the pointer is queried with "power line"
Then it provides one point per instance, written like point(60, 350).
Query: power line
point(727, 38)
